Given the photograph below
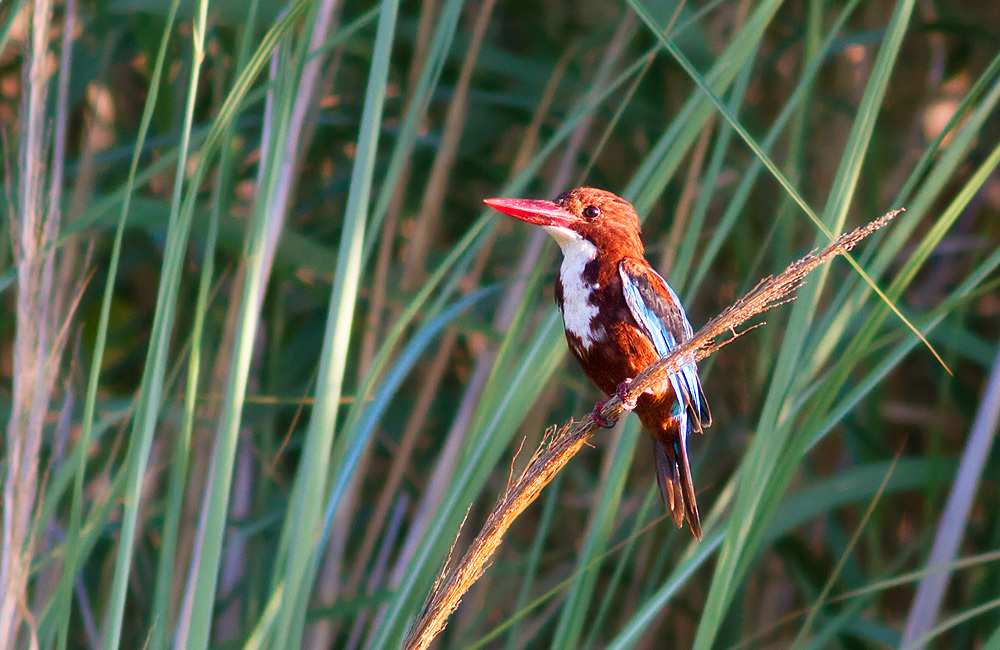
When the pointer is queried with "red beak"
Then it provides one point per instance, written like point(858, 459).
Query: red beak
point(543, 213)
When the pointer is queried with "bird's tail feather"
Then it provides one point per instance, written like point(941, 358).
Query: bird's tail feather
point(673, 474)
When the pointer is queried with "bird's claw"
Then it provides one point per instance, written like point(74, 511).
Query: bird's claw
point(621, 392)
point(629, 404)
point(600, 420)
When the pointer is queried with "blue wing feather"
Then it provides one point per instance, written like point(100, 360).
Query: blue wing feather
point(663, 320)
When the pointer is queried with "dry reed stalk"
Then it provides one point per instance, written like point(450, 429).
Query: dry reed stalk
point(558, 447)
point(432, 203)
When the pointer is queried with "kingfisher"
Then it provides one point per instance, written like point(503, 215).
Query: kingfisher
point(620, 316)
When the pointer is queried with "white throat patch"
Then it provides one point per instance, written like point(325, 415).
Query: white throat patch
point(577, 310)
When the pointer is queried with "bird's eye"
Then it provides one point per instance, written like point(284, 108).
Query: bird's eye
point(591, 212)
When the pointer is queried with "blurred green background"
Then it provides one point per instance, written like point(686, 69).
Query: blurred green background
point(262, 349)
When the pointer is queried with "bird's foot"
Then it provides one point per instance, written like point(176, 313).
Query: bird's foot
point(600, 420)
point(622, 391)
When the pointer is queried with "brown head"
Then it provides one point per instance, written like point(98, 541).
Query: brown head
point(605, 220)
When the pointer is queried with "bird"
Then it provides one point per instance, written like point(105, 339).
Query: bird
point(619, 316)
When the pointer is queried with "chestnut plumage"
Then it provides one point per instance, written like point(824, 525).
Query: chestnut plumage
point(620, 316)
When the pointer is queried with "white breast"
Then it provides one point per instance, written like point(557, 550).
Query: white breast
point(577, 310)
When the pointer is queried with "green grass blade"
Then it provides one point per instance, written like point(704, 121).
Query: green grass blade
point(307, 501)
point(142, 431)
point(161, 619)
point(763, 482)
point(576, 610)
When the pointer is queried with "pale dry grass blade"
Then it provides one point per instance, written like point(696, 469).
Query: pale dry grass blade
point(38, 347)
point(930, 592)
point(432, 204)
point(374, 320)
point(49, 580)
